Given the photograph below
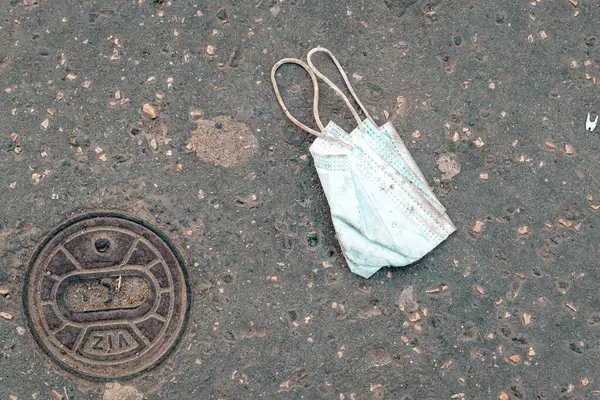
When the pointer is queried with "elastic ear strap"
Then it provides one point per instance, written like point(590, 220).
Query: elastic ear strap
point(344, 76)
point(315, 97)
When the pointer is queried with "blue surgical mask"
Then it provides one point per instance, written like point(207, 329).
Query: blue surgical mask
point(383, 211)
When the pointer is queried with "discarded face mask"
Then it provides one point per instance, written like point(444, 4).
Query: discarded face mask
point(382, 208)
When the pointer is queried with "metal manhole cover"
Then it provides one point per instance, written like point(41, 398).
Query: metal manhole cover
point(106, 296)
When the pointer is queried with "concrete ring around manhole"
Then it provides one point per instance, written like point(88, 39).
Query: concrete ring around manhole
point(107, 296)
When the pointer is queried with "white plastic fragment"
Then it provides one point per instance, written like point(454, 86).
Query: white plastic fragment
point(589, 124)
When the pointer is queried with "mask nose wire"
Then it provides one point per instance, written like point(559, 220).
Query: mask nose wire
point(333, 85)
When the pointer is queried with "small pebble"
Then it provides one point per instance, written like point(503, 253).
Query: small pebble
point(478, 226)
point(585, 381)
point(6, 315)
point(150, 110)
point(569, 149)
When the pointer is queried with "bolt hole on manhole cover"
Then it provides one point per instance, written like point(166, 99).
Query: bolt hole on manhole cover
point(107, 296)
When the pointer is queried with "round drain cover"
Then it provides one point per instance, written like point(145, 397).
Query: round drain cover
point(106, 296)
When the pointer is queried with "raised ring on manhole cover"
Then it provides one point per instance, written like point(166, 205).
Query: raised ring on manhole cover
point(106, 296)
